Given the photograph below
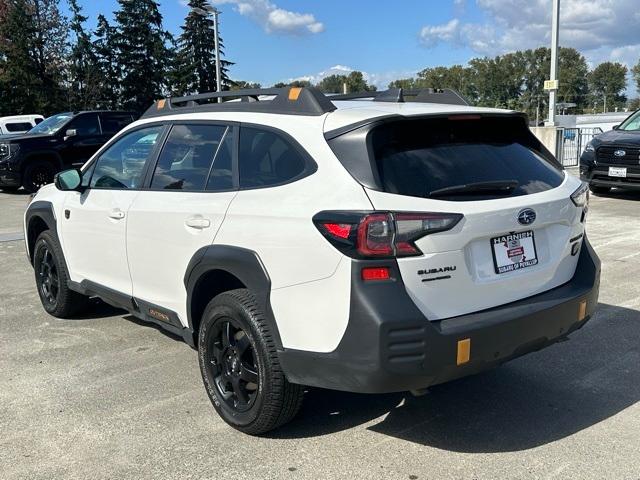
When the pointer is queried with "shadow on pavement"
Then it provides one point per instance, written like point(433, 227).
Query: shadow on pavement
point(529, 402)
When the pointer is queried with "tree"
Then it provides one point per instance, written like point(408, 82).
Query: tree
point(355, 82)
point(33, 36)
point(607, 83)
point(84, 84)
point(635, 71)
point(195, 57)
point(143, 58)
point(293, 83)
point(108, 76)
point(242, 85)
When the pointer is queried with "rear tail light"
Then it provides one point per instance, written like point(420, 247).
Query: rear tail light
point(381, 234)
point(580, 197)
point(375, 273)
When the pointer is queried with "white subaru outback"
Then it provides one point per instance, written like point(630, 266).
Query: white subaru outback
point(366, 244)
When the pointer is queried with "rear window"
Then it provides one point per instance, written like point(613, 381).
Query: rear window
point(462, 159)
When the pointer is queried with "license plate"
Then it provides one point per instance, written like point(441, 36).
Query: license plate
point(617, 172)
point(514, 251)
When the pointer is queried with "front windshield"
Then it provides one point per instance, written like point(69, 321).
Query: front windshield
point(632, 124)
point(52, 124)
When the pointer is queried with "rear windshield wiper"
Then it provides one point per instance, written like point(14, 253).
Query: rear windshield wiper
point(504, 187)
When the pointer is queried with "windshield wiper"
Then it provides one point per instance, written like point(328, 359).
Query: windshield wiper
point(504, 187)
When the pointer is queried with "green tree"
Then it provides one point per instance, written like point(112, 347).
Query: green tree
point(242, 85)
point(607, 83)
point(108, 76)
point(195, 56)
point(144, 58)
point(33, 52)
point(355, 83)
point(635, 71)
point(84, 78)
point(293, 83)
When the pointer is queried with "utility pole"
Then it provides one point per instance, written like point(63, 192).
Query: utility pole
point(555, 31)
point(216, 32)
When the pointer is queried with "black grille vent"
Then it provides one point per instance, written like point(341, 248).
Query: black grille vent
point(606, 155)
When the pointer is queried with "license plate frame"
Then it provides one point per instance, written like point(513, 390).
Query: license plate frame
point(518, 244)
point(617, 172)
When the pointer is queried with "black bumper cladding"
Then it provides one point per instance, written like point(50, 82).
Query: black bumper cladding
point(389, 346)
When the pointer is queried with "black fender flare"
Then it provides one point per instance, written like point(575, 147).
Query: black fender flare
point(37, 154)
point(242, 263)
point(43, 210)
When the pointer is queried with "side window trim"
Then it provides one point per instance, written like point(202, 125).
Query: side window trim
point(230, 127)
point(215, 156)
point(151, 160)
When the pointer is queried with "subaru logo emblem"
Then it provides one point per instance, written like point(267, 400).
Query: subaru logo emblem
point(619, 153)
point(526, 216)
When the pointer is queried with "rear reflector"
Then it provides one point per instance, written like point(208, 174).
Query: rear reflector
point(582, 310)
point(464, 351)
point(375, 273)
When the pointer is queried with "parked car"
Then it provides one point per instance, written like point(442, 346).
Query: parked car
point(612, 159)
point(18, 124)
point(367, 245)
point(61, 141)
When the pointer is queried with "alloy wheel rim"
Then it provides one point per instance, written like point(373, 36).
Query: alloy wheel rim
point(41, 177)
point(49, 279)
point(233, 365)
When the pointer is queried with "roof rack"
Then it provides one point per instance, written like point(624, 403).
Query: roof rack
point(290, 101)
point(399, 95)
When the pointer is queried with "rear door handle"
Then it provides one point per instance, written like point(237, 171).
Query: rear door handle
point(116, 214)
point(198, 222)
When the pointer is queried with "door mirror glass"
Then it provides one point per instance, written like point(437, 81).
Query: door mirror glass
point(72, 132)
point(68, 180)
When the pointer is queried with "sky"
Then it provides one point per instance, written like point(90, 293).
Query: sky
point(281, 40)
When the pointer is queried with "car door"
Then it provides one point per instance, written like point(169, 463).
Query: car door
point(94, 224)
point(78, 148)
point(190, 189)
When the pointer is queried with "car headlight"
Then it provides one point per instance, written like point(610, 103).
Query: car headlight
point(590, 147)
point(580, 197)
point(8, 150)
point(4, 150)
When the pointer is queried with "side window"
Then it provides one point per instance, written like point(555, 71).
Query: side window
point(221, 175)
point(85, 125)
point(267, 159)
point(18, 127)
point(121, 166)
point(187, 156)
point(112, 123)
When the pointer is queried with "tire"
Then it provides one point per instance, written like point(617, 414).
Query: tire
point(52, 279)
point(37, 174)
point(240, 367)
point(599, 190)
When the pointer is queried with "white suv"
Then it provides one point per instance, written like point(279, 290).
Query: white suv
point(359, 244)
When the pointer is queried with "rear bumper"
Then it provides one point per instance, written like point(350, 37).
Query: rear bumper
point(389, 345)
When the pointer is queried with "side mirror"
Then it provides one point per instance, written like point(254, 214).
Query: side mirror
point(616, 127)
point(72, 132)
point(68, 180)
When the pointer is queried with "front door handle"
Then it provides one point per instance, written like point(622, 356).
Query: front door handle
point(198, 222)
point(116, 214)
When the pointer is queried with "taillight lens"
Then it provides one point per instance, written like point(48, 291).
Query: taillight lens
point(580, 197)
point(381, 234)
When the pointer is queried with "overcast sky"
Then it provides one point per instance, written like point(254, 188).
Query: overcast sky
point(274, 40)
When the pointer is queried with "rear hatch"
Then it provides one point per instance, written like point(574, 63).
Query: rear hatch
point(519, 226)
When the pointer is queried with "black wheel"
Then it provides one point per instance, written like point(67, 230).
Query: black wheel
point(37, 174)
point(240, 367)
point(52, 279)
point(599, 190)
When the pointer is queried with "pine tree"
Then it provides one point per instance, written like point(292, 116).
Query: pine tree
point(84, 87)
point(104, 48)
point(143, 57)
point(195, 57)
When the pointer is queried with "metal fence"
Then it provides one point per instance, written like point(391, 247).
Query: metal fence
point(571, 143)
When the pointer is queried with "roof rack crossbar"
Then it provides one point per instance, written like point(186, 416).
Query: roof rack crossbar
point(399, 95)
point(290, 101)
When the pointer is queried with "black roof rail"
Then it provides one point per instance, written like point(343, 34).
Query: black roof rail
point(399, 95)
point(288, 101)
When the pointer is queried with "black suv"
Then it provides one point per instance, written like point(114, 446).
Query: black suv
point(62, 141)
point(612, 159)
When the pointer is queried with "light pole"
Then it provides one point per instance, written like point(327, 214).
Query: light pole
point(553, 84)
point(216, 31)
